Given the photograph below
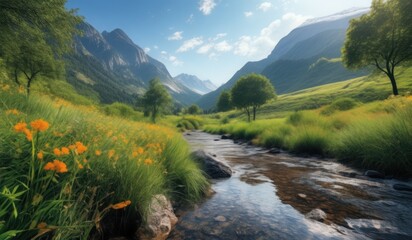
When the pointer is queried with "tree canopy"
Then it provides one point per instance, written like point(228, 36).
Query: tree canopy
point(382, 38)
point(194, 109)
point(224, 103)
point(35, 35)
point(252, 91)
point(156, 100)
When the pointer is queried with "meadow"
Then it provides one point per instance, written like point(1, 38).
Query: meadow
point(66, 169)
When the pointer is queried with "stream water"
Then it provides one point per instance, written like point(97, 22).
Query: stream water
point(269, 194)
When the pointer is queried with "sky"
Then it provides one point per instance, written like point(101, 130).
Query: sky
point(211, 39)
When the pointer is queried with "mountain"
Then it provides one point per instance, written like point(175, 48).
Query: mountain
point(195, 84)
point(113, 64)
point(308, 56)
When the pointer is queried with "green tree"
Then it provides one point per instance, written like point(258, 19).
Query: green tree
point(252, 91)
point(35, 35)
point(156, 100)
point(194, 109)
point(224, 103)
point(382, 38)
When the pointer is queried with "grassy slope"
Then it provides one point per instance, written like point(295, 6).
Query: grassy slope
point(124, 160)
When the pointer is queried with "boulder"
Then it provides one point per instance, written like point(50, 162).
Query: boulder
point(402, 187)
point(316, 214)
point(160, 221)
point(212, 166)
point(374, 174)
point(226, 136)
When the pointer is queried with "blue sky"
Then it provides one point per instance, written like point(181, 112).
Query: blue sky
point(211, 39)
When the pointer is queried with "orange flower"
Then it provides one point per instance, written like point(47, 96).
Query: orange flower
point(56, 165)
point(39, 125)
point(121, 205)
point(98, 152)
point(111, 153)
point(57, 152)
point(72, 147)
point(140, 150)
point(80, 166)
point(40, 155)
point(20, 127)
point(65, 151)
point(80, 148)
point(28, 134)
point(148, 161)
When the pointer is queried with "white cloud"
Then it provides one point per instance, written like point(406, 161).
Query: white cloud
point(260, 46)
point(190, 18)
point(146, 49)
point(265, 6)
point(175, 61)
point(156, 47)
point(206, 6)
point(248, 14)
point(175, 36)
point(219, 36)
point(163, 52)
point(205, 48)
point(190, 44)
point(223, 46)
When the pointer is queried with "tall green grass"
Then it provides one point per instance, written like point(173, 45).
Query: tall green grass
point(124, 160)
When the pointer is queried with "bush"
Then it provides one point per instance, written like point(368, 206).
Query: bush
point(313, 140)
point(340, 104)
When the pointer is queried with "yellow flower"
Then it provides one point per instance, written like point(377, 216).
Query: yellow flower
point(121, 205)
point(98, 152)
point(148, 161)
point(39, 125)
point(140, 150)
point(40, 155)
point(13, 111)
point(65, 151)
point(57, 152)
point(111, 153)
point(20, 127)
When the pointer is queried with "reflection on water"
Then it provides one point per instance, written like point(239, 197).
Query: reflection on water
point(263, 199)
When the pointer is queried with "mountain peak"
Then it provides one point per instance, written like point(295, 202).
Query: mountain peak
point(340, 15)
point(195, 84)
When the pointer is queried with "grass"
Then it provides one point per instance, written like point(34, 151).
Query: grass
point(108, 159)
point(373, 135)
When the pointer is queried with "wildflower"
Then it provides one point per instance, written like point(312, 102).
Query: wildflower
point(140, 150)
point(28, 134)
point(98, 152)
point(6, 87)
point(121, 205)
point(57, 152)
point(72, 147)
point(49, 167)
point(56, 165)
point(19, 127)
point(148, 161)
point(80, 166)
point(65, 151)
point(39, 125)
point(85, 160)
point(40, 155)
point(13, 111)
point(80, 148)
point(42, 225)
point(111, 153)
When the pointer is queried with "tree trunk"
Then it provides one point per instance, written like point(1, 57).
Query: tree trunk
point(16, 77)
point(254, 113)
point(248, 114)
point(393, 82)
point(28, 85)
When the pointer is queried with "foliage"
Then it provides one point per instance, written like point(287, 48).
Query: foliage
point(156, 100)
point(35, 35)
point(224, 102)
point(194, 109)
point(60, 176)
point(121, 110)
point(252, 91)
point(340, 104)
point(189, 123)
point(382, 38)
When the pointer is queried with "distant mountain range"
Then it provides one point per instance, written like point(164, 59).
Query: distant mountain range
point(110, 67)
point(195, 84)
point(308, 56)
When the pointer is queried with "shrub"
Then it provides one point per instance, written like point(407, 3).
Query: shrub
point(340, 104)
point(311, 140)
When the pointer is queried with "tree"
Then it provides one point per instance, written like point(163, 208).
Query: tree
point(382, 38)
point(252, 91)
point(194, 109)
point(35, 35)
point(156, 100)
point(224, 103)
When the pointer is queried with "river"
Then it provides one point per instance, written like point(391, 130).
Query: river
point(269, 194)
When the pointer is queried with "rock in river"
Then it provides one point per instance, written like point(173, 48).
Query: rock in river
point(211, 165)
point(316, 214)
point(374, 174)
point(160, 221)
point(226, 136)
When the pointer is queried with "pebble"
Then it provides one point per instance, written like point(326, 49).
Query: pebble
point(220, 218)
